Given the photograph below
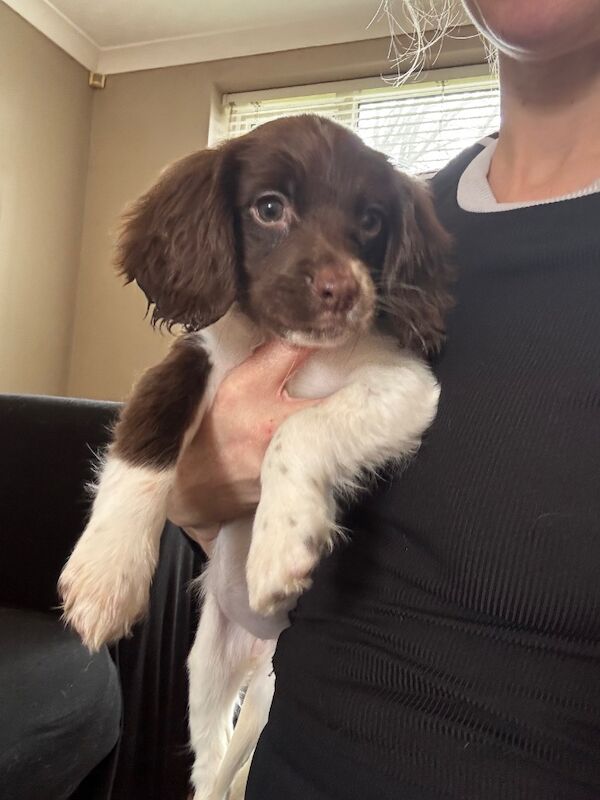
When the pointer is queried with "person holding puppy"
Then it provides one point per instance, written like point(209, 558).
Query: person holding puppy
point(450, 649)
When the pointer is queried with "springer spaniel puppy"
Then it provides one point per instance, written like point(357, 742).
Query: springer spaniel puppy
point(298, 231)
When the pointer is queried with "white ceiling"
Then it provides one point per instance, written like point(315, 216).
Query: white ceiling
point(117, 22)
point(124, 35)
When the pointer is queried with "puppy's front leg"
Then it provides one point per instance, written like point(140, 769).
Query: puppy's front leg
point(105, 583)
point(380, 415)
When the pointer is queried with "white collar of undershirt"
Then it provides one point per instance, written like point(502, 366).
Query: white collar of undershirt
point(475, 194)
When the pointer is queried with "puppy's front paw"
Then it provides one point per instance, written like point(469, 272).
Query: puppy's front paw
point(101, 597)
point(286, 545)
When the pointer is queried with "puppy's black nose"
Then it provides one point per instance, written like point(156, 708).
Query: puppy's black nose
point(335, 287)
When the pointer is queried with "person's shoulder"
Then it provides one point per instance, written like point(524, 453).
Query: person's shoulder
point(446, 179)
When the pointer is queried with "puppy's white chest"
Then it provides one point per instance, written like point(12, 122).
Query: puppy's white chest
point(233, 338)
point(329, 370)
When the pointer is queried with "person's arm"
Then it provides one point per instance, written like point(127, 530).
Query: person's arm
point(218, 474)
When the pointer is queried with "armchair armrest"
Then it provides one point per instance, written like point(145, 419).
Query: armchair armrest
point(46, 459)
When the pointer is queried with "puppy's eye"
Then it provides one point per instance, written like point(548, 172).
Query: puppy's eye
point(270, 209)
point(371, 221)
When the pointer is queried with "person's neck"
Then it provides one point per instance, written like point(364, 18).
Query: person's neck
point(549, 143)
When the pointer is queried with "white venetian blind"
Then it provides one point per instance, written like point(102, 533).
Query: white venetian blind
point(420, 126)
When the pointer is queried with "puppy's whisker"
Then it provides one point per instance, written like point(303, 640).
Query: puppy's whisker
point(385, 305)
point(400, 286)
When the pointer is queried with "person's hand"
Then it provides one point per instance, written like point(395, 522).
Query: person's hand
point(218, 473)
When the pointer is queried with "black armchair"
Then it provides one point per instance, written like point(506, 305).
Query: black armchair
point(46, 457)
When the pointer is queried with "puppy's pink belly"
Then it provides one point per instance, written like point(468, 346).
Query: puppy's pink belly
point(227, 581)
point(237, 609)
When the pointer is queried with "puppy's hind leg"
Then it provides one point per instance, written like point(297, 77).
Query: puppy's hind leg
point(219, 662)
point(238, 787)
point(105, 583)
point(251, 720)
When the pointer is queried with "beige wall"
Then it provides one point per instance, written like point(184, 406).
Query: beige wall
point(45, 113)
point(142, 121)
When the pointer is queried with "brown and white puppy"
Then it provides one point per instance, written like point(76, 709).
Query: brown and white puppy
point(298, 231)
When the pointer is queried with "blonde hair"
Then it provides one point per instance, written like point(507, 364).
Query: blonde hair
point(417, 29)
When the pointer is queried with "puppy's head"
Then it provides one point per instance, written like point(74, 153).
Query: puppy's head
point(314, 234)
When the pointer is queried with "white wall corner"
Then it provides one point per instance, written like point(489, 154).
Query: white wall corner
point(59, 29)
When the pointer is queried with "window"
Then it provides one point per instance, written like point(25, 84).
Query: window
point(420, 125)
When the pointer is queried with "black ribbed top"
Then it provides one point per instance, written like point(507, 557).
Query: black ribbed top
point(452, 649)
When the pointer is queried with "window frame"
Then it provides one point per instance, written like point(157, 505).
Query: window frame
point(342, 99)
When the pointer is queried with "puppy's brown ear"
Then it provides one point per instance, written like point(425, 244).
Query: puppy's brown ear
point(177, 242)
point(417, 272)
